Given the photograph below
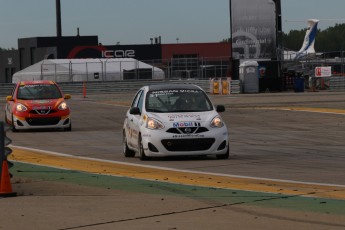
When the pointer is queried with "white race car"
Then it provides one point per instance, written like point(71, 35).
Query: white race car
point(174, 120)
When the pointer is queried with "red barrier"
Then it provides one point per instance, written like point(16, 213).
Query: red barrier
point(84, 89)
point(5, 185)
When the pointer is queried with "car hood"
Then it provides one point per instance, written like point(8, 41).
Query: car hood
point(43, 103)
point(185, 118)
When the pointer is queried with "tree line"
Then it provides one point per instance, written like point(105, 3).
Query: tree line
point(2, 49)
point(328, 40)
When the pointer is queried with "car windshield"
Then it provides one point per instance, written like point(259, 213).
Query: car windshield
point(179, 100)
point(38, 91)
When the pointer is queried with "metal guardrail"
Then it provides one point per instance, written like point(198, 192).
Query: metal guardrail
point(107, 86)
point(235, 87)
point(6, 89)
point(121, 86)
point(337, 83)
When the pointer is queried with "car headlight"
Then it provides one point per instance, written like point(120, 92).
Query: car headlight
point(21, 107)
point(217, 122)
point(63, 106)
point(154, 124)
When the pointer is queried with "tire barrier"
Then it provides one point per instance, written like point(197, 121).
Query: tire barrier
point(5, 179)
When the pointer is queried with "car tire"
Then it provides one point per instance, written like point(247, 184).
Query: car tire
point(69, 128)
point(12, 125)
point(126, 151)
point(225, 155)
point(6, 121)
point(142, 155)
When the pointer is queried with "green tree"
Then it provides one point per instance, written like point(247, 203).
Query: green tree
point(328, 40)
point(294, 39)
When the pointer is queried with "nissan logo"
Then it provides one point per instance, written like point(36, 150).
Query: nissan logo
point(188, 130)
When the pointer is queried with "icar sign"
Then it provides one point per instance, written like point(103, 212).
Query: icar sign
point(118, 54)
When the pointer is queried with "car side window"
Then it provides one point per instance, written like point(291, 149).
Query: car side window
point(140, 102)
point(136, 99)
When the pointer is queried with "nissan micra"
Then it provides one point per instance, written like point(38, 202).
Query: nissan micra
point(37, 105)
point(174, 120)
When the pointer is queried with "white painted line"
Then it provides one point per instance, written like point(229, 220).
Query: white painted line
point(175, 170)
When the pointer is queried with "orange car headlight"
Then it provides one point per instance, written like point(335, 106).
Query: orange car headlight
point(63, 106)
point(21, 107)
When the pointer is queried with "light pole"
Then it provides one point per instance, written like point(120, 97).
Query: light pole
point(58, 18)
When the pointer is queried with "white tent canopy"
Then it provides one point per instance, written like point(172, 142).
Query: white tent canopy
point(76, 70)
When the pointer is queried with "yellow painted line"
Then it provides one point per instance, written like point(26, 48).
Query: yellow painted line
point(322, 110)
point(305, 109)
point(180, 177)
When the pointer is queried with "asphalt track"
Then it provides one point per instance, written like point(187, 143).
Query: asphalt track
point(284, 147)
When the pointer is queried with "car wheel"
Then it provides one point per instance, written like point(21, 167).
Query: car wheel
point(12, 125)
point(225, 155)
point(6, 121)
point(142, 155)
point(126, 151)
point(69, 128)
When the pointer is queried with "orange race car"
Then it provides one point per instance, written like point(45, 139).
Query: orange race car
point(37, 105)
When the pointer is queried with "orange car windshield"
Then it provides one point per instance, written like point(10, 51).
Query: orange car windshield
point(38, 92)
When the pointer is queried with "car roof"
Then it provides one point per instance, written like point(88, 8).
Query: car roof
point(168, 86)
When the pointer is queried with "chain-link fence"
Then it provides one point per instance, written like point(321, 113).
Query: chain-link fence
point(198, 68)
point(275, 76)
point(115, 69)
point(78, 70)
point(305, 67)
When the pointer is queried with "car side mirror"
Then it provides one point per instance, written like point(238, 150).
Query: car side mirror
point(9, 98)
point(135, 111)
point(67, 96)
point(220, 108)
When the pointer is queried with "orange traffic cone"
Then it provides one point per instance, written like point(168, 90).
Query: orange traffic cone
point(5, 186)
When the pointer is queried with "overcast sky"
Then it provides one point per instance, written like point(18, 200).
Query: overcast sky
point(136, 21)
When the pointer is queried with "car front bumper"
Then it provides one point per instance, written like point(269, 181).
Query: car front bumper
point(51, 122)
point(158, 143)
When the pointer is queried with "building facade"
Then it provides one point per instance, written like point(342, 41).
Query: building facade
point(179, 61)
